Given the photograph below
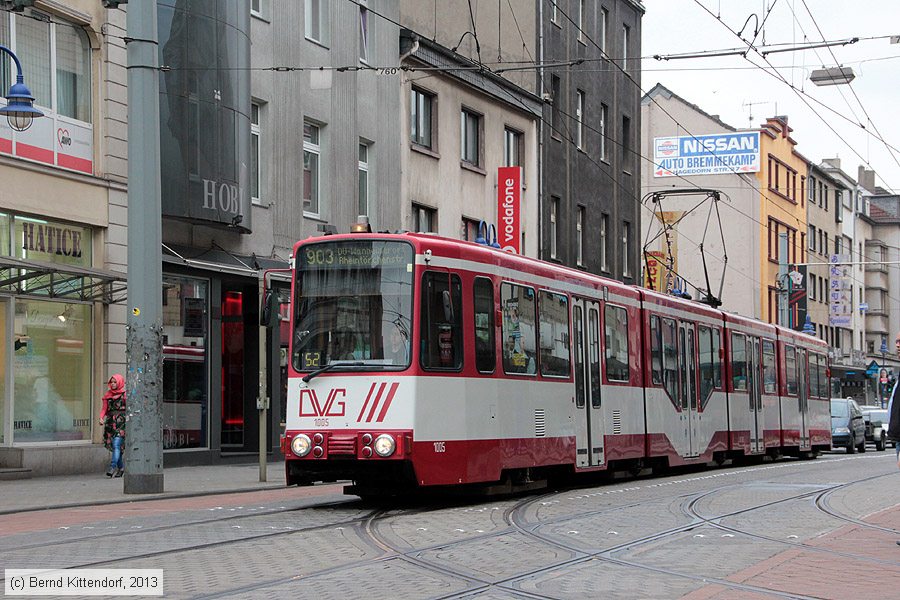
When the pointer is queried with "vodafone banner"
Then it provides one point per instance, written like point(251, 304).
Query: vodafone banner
point(509, 208)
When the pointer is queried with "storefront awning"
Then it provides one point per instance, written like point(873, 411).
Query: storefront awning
point(219, 260)
point(53, 280)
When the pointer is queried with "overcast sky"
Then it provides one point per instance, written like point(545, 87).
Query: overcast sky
point(725, 85)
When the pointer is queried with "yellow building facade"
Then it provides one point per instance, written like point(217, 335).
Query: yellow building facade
point(782, 184)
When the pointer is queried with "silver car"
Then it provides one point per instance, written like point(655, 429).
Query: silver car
point(876, 426)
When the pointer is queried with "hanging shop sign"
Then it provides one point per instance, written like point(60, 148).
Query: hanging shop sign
point(509, 208)
point(53, 140)
point(715, 154)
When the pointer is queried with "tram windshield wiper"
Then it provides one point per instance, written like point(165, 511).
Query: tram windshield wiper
point(330, 366)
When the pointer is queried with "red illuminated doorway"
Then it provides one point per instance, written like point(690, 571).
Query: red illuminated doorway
point(233, 342)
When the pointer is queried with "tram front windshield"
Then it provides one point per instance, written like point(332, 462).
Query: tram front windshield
point(353, 305)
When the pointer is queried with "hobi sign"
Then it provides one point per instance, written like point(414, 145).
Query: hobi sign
point(204, 98)
point(716, 154)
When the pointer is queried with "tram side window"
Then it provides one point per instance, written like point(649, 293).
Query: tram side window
point(518, 304)
point(813, 368)
point(554, 311)
point(769, 379)
point(442, 343)
point(738, 362)
point(594, 355)
point(485, 358)
point(655, 351)
point(670, 359)
point(710, 368)
point(616, 327)
point(824, 383)
point(790, 367)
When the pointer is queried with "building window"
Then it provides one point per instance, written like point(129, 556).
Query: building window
point(554, 12)
point(626, 38)
point(469, 229)
point(579, 19)
point(470, 132)
point(626, 144)
point(812, 237)
point(812, 286)
point(554, 215)
point(604, 112)
point(603, 32)
point(556, 94)
point(71, 62)
point(316, 21)
point(311, 153)
point(626, 249)
point(363, 31)
point(579, 237)
point(424, 219)
point(421, 114)
point(604, 243)
point(255, 162)
point(259, 8)
point(363, 178)
point(512, 148)
point(579, 119)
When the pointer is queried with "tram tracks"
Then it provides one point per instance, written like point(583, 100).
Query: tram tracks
point(369, 527)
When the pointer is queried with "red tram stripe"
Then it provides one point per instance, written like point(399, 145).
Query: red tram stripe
point(387, 402)
point(375, 404)
point(368, 397)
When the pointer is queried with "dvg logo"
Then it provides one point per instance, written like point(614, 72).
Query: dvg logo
point(310, 406)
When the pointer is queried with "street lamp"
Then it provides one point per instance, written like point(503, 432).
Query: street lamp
point(19, 109)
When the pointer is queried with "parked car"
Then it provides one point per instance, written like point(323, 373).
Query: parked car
point(848, 428)
point(876, 426)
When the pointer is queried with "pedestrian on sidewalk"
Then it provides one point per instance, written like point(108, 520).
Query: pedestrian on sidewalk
point(112, 417)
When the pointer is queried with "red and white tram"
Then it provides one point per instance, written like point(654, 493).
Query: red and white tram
point(422, 361)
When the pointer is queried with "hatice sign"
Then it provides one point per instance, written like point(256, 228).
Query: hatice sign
point(715, 154)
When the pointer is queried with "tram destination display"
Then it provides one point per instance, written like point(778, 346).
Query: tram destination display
point(356, 254)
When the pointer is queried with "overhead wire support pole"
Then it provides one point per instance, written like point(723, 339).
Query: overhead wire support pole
point(143, 338)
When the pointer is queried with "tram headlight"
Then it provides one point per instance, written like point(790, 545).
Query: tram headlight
point(384, 445)
point(301, 445)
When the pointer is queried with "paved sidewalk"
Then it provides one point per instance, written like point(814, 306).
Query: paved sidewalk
point(87, 489)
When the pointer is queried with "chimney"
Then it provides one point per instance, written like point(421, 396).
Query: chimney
point(866, 178)
point(833, 162)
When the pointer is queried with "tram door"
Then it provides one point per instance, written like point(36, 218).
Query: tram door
point(803, 397)
point(754, 369)
point(687, 362)
point(588, 407)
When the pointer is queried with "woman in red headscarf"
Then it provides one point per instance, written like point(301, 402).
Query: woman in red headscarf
point(112, 417)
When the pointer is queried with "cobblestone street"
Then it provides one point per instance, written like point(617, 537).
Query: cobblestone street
point(813, 529)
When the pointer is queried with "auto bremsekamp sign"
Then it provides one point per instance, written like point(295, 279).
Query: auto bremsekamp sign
point(716, 154)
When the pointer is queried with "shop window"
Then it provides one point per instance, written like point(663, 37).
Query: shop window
point(554, 310)
point(616, 321)
point(485, 358)
point(185, 363)
point(518, 305)
point(442, 344)
point(52, 367)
